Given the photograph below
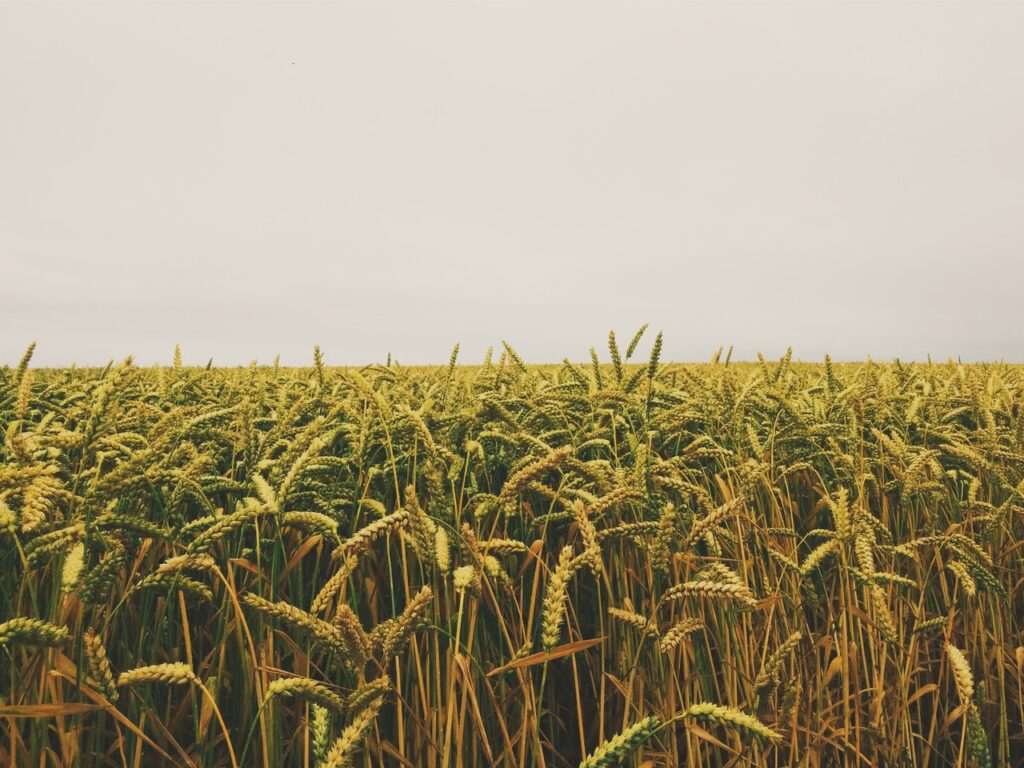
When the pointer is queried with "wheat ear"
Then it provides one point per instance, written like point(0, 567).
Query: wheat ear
point(622, 744)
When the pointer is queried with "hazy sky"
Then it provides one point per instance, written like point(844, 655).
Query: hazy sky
point(248, 179)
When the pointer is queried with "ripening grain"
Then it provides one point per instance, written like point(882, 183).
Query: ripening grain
point(635, 563)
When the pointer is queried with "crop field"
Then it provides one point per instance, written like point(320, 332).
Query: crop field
point(622, 562)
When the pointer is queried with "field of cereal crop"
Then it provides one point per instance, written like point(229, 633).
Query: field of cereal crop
point(627, 561)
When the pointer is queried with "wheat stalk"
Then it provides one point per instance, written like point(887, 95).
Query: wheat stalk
point(99, 665)
point(340, 755)
point(731, 718)
point(623, 744)
point(711, 589)
point(173, 673)
point(306, 689)
point(32, 632)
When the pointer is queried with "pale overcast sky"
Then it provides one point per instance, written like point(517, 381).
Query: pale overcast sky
point(252, 179)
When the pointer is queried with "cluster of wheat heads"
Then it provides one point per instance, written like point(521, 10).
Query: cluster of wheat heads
point(628, 563)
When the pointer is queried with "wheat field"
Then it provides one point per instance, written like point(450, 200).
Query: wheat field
point(625, 562)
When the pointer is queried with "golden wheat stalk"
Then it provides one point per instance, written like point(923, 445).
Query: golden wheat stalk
point(367, 694)
point(768, 677)
point(306, 689)
point(442, 550)
point(187, 562)
point(674, 636)
point(32, 632)
point(298, 619)
point(173, 673)
point(591, 556)
point(74, 562)
point(353, 636)
point(634, 620)
point(817, 556)
point(554, 599)
point(503, 547)
point(421, 528)
point(320, 728)
point(224, 526)
point(963, 577)
point(362, 538)
point(962, 674)
point(711, 589)
point(705, 524)
point(407, 623)
point(621, 745)
point(99, 665)
point(516, 483)
point(731, 718)
point(465, 577)
point(174, 581)
point(334, 584)
point(340, 755)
